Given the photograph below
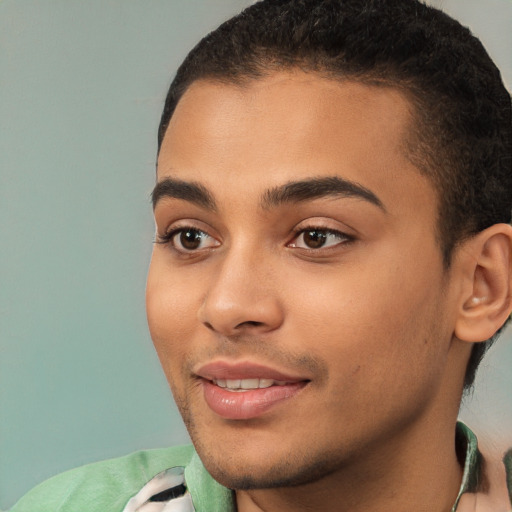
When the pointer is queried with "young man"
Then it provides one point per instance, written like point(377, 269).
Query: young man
point(332, 258)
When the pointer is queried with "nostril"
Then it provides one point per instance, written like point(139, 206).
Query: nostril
point(233, 317)
point(249, 323)
point(209, 326)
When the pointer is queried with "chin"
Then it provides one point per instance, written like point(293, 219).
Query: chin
point(246, 457)
point(238, 470)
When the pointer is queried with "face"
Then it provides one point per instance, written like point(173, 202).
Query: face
point(296, 296)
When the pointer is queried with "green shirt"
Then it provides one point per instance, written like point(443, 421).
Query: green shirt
point(156, 476)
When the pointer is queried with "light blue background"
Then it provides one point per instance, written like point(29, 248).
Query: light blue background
point(82, 85)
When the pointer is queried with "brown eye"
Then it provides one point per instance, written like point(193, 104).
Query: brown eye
point(314, 239)
point(190, 239)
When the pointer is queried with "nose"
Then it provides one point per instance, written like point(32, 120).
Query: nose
point(242, 297)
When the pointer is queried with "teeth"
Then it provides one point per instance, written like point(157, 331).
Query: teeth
point(233, 384)
point(265, 383)
point(247, 384)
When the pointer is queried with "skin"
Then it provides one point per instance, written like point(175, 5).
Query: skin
point(368, 319)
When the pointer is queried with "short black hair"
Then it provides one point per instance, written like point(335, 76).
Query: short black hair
point(462, 138)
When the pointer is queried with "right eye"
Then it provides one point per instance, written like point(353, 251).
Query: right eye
point(188, 239)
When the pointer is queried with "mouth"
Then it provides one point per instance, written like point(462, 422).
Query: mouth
point(241, 385)
point(244, 391)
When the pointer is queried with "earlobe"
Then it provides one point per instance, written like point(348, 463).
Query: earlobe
point(486, 301)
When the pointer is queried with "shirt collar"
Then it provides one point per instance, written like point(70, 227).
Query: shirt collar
point(467, 446)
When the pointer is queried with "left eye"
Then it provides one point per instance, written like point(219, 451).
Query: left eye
point(189, 239)
point(318, 239)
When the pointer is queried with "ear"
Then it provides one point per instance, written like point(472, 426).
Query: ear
point(486, 300)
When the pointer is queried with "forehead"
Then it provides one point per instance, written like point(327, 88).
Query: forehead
point(306, 102)
point(291, 126)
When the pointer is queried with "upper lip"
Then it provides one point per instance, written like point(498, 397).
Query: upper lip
point(243, 370)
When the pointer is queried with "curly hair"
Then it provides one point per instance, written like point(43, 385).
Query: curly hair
point(462, 135)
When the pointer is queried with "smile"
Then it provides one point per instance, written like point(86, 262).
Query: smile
point(241, 385)
point(246, 399)
point(245, 390)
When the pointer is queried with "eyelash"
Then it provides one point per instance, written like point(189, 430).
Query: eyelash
point(167, 238)
point(344, 237)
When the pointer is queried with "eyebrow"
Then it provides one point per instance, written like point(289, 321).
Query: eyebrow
point(315, 188)
point(186, 190)
point(291, 192)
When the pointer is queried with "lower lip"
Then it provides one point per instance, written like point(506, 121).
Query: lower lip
point(245, 405)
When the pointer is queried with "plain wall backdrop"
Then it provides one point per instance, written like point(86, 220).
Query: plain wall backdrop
point(82, 86)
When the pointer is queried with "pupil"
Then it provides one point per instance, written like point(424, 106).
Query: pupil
point(190, 239)
point(315, 239)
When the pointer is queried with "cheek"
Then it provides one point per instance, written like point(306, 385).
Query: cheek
point(170, 308)
point(374, 321)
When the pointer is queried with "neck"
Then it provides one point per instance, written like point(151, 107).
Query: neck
point(416, 470)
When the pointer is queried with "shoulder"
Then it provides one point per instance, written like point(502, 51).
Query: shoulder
point(106, 485)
